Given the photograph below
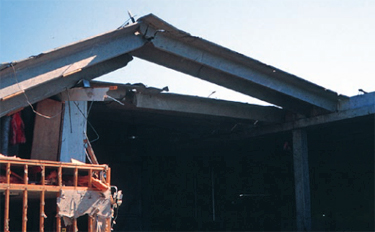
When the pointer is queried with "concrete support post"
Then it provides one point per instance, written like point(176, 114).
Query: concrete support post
point(5, 128)
point(74, 131)
point(301, 179)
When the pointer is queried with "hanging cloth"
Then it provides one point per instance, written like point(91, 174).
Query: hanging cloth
point(18, 129)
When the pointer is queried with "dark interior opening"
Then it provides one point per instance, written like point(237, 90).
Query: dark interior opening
point(183, 172)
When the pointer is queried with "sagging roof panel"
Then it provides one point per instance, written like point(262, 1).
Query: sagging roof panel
point(142, 97)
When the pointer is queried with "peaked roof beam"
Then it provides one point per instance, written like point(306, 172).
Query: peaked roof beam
point(179, 50)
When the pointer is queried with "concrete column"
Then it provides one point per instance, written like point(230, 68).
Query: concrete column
point(74, 131)
point(301, 179)
point(5, 128)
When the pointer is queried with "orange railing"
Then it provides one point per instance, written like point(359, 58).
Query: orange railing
point(40, 176)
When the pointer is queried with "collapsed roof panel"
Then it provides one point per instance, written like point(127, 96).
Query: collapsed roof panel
point(188, 104)
point(142, 97)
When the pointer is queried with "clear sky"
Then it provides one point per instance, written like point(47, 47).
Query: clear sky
point(328, 42)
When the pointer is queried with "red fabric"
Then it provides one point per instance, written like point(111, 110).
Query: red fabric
point(18, 129)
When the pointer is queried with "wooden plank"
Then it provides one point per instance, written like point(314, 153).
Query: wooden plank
point(42, 214)
point(108, 179)
point(75, 227)
point(108, 225)
point(90, 224)
point(302, 182)
point(7, 194)
point(59, 176)
point(8, 173)
point(47, 130)
point(90, 151)
point(24, 211)
point(76, 177)
point(21, 162)
point(58, 219)
point(74, 131)
point(43, 175)
point(26, 174)
point(39, 188)
point(25, 204)
point(6, 210)
point(90, 179)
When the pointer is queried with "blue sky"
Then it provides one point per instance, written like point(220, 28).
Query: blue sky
point(330, 42)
